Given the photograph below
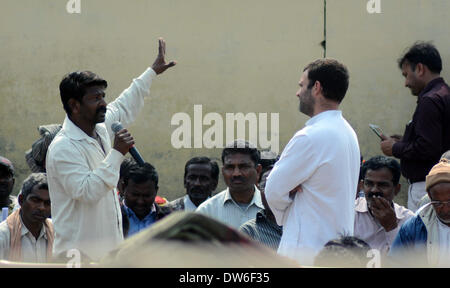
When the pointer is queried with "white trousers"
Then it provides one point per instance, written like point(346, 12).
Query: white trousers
point(415, 193)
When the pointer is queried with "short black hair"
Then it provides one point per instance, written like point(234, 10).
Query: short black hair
point(125, 167)
point(345, 251)
point(140, 173)
point(74, 85)
point(32, 180)
point(379, 162)
point(332, 75)
point(242, 147)
point(203, 160)
point(425, 53)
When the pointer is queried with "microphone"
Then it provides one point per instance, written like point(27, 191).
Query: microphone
point(116, 127)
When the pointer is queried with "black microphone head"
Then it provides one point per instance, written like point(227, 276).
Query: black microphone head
point(116, 126)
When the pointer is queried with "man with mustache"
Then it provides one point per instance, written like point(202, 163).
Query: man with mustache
point(83, 165)
point(27, 234)
point(427, 136)
point(241, 200)
point(201, 176)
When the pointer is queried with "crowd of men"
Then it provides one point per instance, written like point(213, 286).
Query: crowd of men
point(84, 194)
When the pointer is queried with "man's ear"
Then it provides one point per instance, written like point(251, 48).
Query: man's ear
point(20, 199)
point(258, 171)
point(317, 88)
point(420, 69)
point(214, 184)
point(74, 106)
point(397, 189)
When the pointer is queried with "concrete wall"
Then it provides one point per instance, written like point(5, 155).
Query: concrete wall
point(233, 56)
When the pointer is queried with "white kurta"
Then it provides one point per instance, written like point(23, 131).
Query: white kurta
point(324, 158)
point(82, 178)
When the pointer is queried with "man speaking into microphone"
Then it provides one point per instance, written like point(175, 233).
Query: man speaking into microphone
point(82, 165)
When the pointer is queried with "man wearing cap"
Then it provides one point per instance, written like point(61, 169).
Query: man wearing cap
point(35, 157)
point(7, 184)
point(424, 240)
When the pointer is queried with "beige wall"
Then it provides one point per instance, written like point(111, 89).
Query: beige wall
point(370, 45)
point(233, 56)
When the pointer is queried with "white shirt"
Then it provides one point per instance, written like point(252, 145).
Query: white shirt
point(33, 251)
point(324, 158)
point(222, 207)
point(367, 228)
point(188, 204)
point(444, 245)
point(82, 178)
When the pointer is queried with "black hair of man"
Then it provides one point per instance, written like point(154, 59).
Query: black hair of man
point(39, 179)
point(140, 173)
point(379, 162)
point(345, 251)
point(74, 85)
point(242, 147)
point(425, 53)
point(332, 75)
point(125, 167)
point(203, 160)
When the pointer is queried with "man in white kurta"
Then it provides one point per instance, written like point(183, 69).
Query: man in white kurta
point(311, 189)
point(83, 172)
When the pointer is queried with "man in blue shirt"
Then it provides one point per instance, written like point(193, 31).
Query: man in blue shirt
point(140, 185)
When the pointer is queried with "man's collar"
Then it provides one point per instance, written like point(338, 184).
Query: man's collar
point(74, 132)
point(24, 231)
point(430, 86)
point(322, 115)
point(255, 200)
point(361, 205)
point(130, 212)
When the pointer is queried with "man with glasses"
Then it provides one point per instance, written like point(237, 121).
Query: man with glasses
point(424, 240)
point(377, 217)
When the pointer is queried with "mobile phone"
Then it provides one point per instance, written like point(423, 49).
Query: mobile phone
point(377, 130)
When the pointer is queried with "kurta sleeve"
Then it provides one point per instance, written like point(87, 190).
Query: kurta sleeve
point(296, 165)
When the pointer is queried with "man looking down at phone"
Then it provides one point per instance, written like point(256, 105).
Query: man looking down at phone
point(427, 136)
point(377, 217)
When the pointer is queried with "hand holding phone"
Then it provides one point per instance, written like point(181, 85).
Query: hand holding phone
point(377, 130)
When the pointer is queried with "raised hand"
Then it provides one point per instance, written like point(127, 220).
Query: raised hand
point(160, 65)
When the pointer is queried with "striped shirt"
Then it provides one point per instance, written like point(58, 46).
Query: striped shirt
point(263, 230)
point(222, 207)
